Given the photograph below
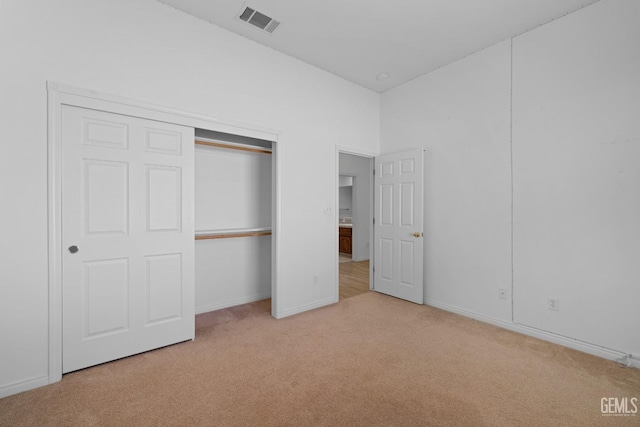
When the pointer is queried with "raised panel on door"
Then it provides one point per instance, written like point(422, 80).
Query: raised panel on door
point(407, 204)
point(105, 297)
point(127, 201)
point(106, 197)
point(162, 141)
point(163, 287)
point(385, 267)
point(386, 205)
point(106, 133)
point(163, 193)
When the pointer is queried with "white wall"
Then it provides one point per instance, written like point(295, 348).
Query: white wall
point(149, 52)
point(576, 181)
point(576, 175)
point(360, 168)
point(232, 271)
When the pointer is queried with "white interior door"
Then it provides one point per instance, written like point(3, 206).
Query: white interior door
point(398, 228)
point(127, 236)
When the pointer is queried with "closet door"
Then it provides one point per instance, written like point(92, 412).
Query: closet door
point(127, 236)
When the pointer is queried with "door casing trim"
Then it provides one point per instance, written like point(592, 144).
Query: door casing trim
point(372, 156)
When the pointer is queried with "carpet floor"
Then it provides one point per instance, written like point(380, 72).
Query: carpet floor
point(370, 360)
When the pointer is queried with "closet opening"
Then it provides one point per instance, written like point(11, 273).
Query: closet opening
point(233, 220)
point(179, 254)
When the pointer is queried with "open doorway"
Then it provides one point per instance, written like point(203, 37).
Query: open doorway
point(354, 237)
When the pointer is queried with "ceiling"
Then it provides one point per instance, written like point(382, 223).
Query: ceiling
point(361, 39)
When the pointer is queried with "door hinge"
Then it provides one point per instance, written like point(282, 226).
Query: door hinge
point(374, 268)
point(374, 221)
point(374, 172)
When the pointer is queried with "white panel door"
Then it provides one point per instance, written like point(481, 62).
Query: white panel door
point(127, 236)
point(398, 228)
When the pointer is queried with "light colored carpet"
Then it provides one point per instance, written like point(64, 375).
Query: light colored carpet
point(371, 360)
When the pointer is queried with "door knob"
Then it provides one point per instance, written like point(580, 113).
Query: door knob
point(73, 249)
point(417, 234)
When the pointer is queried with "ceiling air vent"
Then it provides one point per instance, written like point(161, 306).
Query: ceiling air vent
point(258, 19)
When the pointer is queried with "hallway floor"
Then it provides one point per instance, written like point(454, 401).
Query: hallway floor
point(354, 278)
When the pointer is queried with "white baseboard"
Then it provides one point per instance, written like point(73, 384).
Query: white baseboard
point(233, 302)
point(307, 307)
point(20, 386)
point(585, 347)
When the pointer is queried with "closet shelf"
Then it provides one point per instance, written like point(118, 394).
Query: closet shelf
point(232, 146)
point(231, 233)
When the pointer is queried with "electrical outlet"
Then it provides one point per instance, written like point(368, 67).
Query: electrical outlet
point(553, 304)
point(315, 279)
point(502, 293)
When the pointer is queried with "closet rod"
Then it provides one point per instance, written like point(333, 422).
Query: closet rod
point(233, 147)
point(230, 235)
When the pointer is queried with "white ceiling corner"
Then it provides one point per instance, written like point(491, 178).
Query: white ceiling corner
point(360, 39)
